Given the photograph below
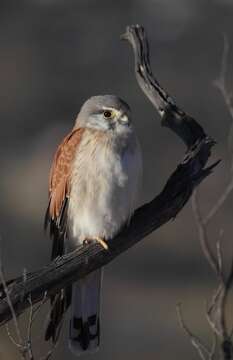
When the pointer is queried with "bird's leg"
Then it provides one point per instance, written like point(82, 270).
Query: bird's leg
point(97, 239)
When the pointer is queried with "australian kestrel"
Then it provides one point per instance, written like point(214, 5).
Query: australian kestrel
point(93, 189)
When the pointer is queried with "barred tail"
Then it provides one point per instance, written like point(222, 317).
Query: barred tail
point(85, 314)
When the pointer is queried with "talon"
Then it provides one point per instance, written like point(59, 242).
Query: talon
point(97, 239)
point(102, 242)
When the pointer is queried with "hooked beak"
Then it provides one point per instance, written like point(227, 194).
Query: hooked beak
point(124, 119)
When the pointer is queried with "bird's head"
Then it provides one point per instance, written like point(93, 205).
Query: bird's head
point(105, 113)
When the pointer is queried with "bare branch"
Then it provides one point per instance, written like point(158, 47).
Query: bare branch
point(29, 330)
point(24, 345)
point(214, 346)
point(203, 235)
point(197, 343)
point(219, 203)
point(11, 337)
point(220, 83)
point(19, 342)
point(216, 309)
point(219, 257)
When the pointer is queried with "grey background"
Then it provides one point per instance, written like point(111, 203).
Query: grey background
point(53, 55)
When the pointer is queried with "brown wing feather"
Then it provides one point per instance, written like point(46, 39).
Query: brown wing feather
point(56, 216)
point(59, 188)
point(59, 182)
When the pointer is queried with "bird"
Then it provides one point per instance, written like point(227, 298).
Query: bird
point(94, 187)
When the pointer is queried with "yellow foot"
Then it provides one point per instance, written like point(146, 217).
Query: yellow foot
point(102, 242)
point(97, 239)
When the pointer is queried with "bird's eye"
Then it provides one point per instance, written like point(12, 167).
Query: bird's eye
point(108, 114)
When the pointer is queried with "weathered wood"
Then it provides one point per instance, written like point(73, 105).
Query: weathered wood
point(164, 207)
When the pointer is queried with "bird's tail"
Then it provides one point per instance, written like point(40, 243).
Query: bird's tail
point(85, 314)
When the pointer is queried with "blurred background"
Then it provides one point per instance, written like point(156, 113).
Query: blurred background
point(54, 54)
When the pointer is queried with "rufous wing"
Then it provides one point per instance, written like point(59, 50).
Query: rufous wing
point(56, 218)
point(59, 183)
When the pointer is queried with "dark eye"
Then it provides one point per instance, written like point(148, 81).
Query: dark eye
point(108, 114)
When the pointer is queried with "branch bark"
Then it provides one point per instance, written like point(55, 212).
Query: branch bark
point(163, 208)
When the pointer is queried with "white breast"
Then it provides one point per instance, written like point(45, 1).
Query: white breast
point(105, 181)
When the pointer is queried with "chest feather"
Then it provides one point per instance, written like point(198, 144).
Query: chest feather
point(104, 185)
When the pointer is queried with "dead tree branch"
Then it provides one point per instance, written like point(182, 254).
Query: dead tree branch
point(164, 207)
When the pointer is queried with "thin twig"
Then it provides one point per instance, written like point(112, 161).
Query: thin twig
point(203, 234)
point(37, 308)
point(197, 343)
point(19, 343)
point(220, 83)
point(29, 330)
point(11, 337)
point(214, 347)
point(220, 257)
point(219, 203)
point(216, 310)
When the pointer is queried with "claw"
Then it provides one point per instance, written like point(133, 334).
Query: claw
point(102, 242)
point(97, 239)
